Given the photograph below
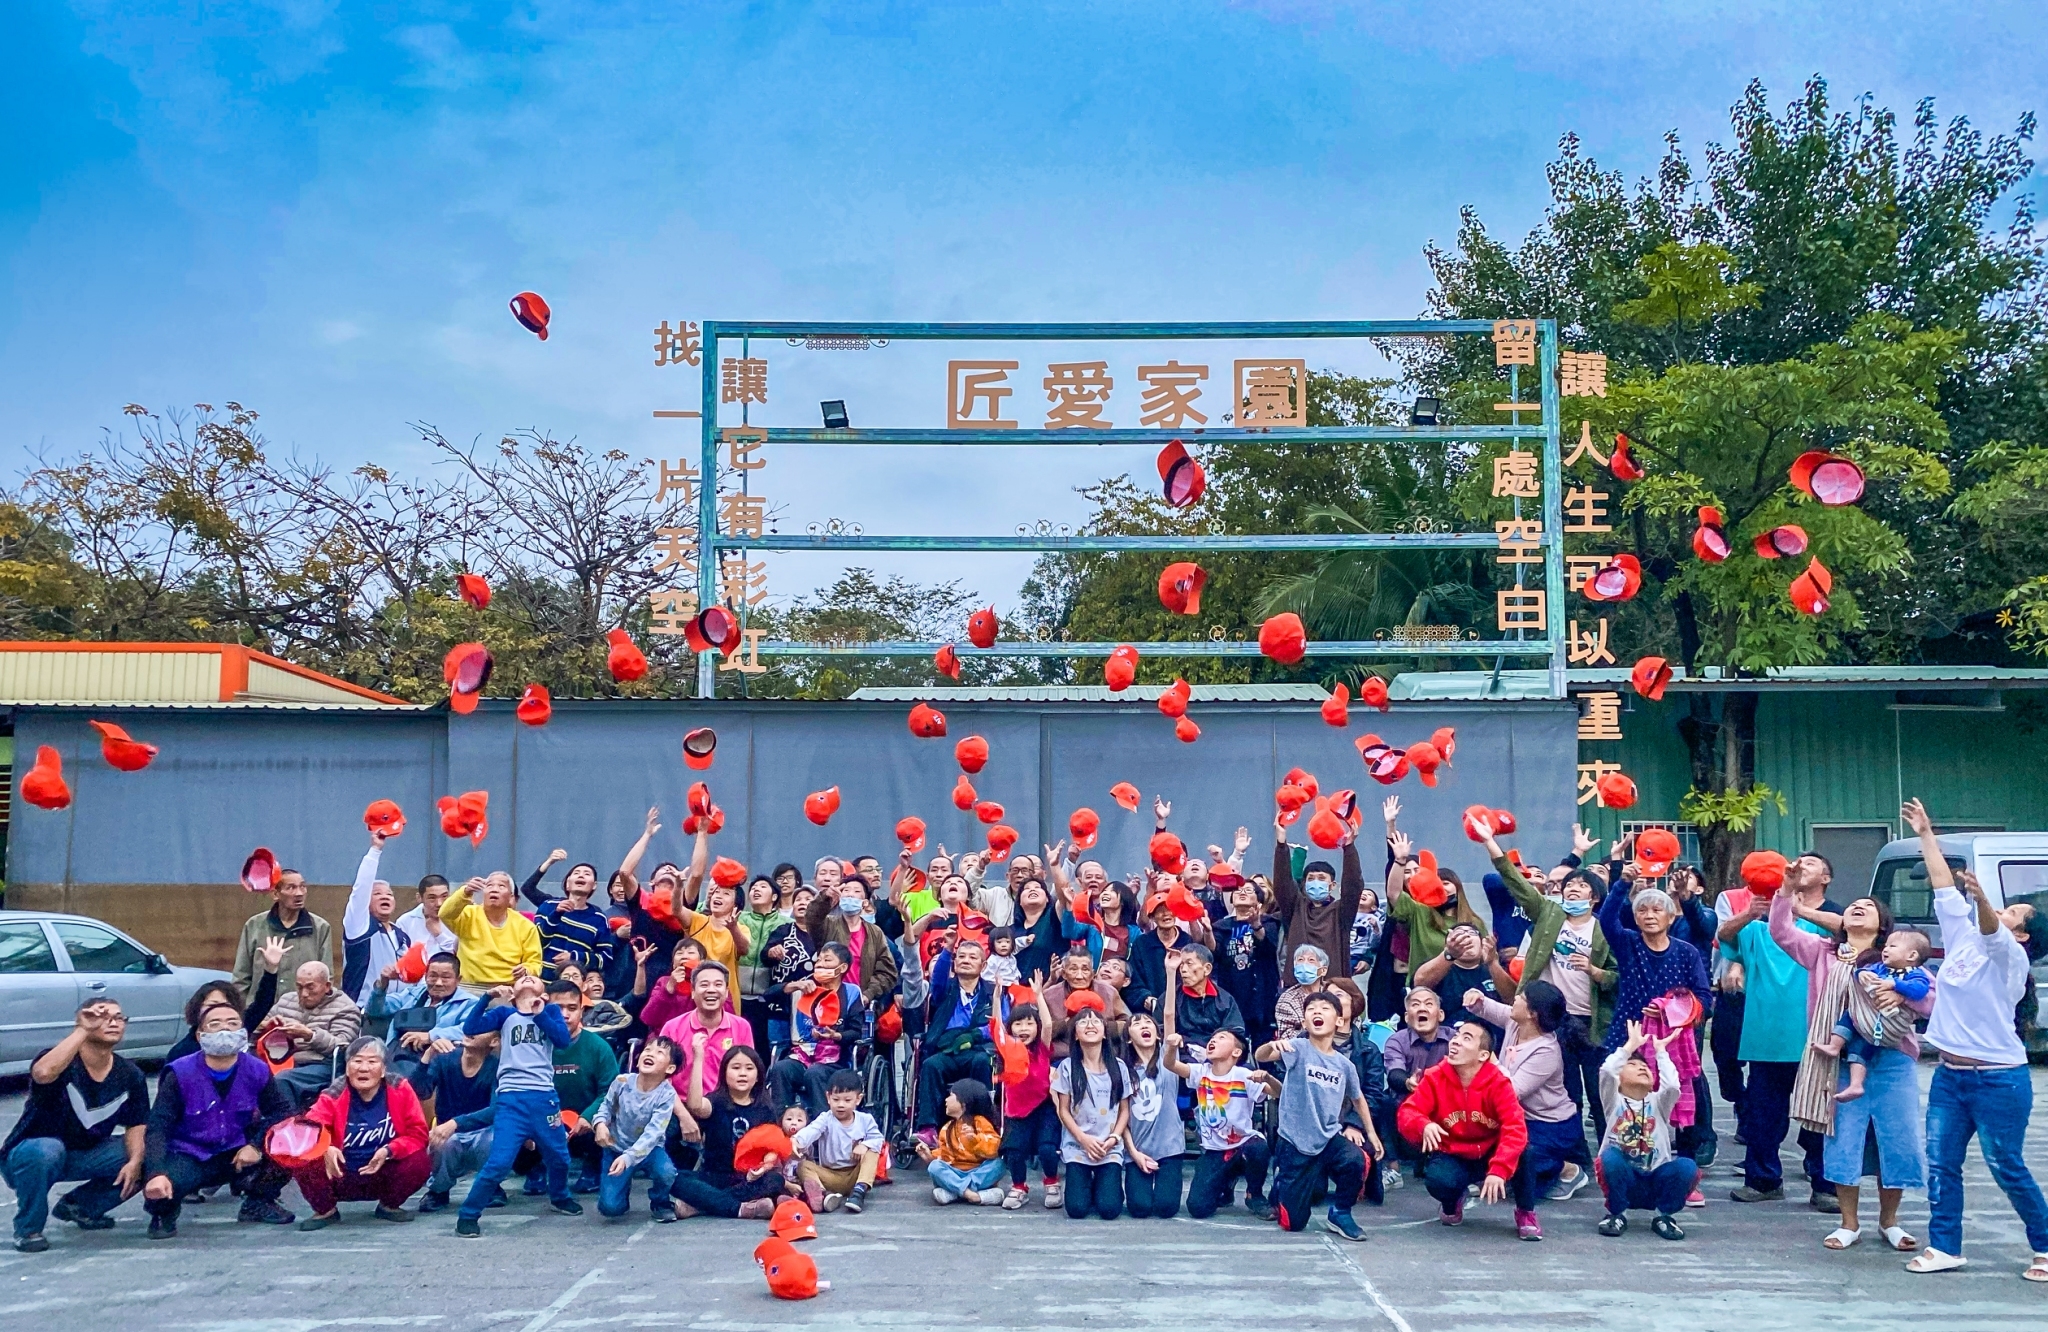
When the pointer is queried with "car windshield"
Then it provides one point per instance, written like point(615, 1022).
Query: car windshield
point(1902, 886)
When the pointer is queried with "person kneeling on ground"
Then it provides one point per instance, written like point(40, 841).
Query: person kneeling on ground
point(80, 1092)
point(1317, 1086)
point(968, 1162)
point(1226, 1099)
point(212, 1110)
point(1464, 1115)
point(1637, 1168)
point(631, 1126)
point(380, 1141)
point(849, 1144)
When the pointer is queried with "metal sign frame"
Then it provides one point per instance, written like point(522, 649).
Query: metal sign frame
point(711, 543)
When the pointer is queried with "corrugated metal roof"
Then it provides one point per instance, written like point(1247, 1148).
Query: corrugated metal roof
point(234, 705)
point(1444, 686)
point(1208, 693)
point(61, 671)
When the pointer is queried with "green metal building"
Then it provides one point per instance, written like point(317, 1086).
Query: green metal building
point(1843, 745)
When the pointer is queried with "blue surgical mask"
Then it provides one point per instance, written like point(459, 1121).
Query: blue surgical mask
point(1576, 906)
point(1305, 972)
point(850, 906)
point(1318, 890)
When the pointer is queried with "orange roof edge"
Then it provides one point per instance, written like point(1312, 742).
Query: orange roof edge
point(235, 659)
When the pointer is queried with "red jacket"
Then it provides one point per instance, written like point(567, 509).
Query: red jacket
point(1481, 1119)
point(408, 1121)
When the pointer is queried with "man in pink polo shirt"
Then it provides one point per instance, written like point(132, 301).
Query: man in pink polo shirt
point(708, 1030)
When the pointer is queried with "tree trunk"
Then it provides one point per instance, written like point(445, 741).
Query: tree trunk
point(1719, 730)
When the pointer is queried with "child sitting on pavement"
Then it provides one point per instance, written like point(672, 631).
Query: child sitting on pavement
point(848, 1143)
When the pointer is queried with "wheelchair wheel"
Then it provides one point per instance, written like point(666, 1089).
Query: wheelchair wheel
point(878, 1093)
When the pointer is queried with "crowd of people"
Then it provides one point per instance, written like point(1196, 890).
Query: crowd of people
point(1125, 1047)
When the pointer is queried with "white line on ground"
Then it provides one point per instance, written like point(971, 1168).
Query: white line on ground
point(1365, 1283)
point(562, 1301)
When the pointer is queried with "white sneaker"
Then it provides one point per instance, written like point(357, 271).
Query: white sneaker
point(1014, 1199)
point(1391, 1177)
point(939, 1196)
point(834, 1201)
point(1055, 1196)
point(986, 1197)
point(1567, 1189)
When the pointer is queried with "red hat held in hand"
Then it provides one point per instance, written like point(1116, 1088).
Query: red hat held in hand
point(982, 627)
point(1710, 541)
point(1083, 825)
point(625, 661)
point(758, 1144)
point(1656, 848)
point(1167, 852)
point(1180, 588)
point(535, 707)
point(1426, 885)
point(1479, 823)
point(384, 816)
point(1325, 829)
point(1182, 475)
point(1284, 639)
point(946, 661)
point(1337, 707)
point(971, 754)
point(1290, 800)
point(1373, 693)
point(1763, 871)
point(467, 669)
point(699, 747)
point(473, 590)
point(1124, 794)
point(1828, 477)
point(1616, 790)
point(963, 793)
point(910, 832)
point(1650, 676)
point(128, 755)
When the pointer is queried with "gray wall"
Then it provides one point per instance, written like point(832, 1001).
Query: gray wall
point(297, 782)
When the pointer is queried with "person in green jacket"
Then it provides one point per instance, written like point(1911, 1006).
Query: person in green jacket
point(1427, 925)
point(761, 917)
point(1565, 948)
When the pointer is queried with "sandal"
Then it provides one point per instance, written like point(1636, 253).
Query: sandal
point(2036, 1270)
point(1897, 1237)
point(1841, 1238)
point(1934, 1260)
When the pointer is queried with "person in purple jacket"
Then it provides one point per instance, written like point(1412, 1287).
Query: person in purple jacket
point(212, 1110)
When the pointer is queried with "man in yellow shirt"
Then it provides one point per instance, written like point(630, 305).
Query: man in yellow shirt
point(490, 937)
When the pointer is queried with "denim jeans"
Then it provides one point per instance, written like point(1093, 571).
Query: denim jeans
point(1626, 1185)
point(1096, 1190)
point(615, 1192)
point(1994, 1104)
point(522, 1115)
point(37, 1163)
point(957, 1181)
point(461, 1154)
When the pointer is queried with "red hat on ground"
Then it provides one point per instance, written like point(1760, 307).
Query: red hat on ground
point(1828, 477)
point(1124, 794)
point(473, 590)
point(770, 1248)
point(119, 750)
point(1763, 871)
point(1182, 475)
point(259, 871)
point(384, 816)
point(1809, 591)
point(910, 832)
point(1650, 676)
point(1787, 540)
point(1083, 825)
point(1167, 852)
point(625, 661)
point(1616, 791)
point(971, 753)
point(1621, 463)
point(1000, 839)
point(792, 1221)
point(963, 793)
point(465, 815)
point(532, 313)
point(43, 785)
point(1186, 731)
point(1180, 588)
point(535, 707)
point(988, 811)
point(1174, 702)
point(1617, 580)
point(818, 805)
point(946, 661)
point(1337, 707)
point(927, 722)
point(1372, 692)
point(1284, 639)
point(699, 748)
point(467, 669)
point(727, 872)
point(1710, 540)
point(982, 627)
point(1120, 669)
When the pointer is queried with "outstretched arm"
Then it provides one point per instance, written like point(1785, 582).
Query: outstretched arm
point(630, 866)
point(700, 860)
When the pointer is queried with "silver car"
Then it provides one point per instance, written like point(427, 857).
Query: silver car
point(50, 963)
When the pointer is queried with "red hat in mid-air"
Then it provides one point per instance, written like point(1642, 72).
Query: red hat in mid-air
point(625, 661)
point(1180, 588)
point(532, 312)
point(1182, 475)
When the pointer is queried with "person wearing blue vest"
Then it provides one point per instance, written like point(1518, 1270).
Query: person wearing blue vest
point(212, 1110)
point(371, 940)
point(529, 1030)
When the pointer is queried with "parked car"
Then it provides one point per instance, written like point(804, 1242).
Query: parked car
point(2012, 866)
point(50, 963)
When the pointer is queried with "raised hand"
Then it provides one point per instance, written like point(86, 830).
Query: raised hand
point(1390, 809)
point(1582, 842)
point(272, 954)
point(653, 820)
point(1916, 816)
point(1635, 1035)
point(1403, 845)
point(1161, 808)
point(1242, 841)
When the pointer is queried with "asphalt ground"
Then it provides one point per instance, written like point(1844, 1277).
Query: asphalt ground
point(908, 1265)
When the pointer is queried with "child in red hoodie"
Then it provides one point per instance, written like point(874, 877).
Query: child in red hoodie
point(1464, 1116)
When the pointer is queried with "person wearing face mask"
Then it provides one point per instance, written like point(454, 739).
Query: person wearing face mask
point(1310, 966)
point(572, 929)
point(207, 1126)
point(1566, 948)
point(843, 914)
point(1318, 910)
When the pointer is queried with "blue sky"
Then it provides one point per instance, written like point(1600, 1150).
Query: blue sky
point(321, 209)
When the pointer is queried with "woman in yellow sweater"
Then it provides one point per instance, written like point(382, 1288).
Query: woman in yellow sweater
point(490, 937)
point(967, 1162)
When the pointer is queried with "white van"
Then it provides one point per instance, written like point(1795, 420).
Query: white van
point(2012, 866)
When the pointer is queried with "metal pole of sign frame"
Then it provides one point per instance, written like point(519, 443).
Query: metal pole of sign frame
point(710, 544)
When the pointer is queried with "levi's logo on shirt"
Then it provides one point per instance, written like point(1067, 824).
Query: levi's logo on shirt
point(1328, 1077)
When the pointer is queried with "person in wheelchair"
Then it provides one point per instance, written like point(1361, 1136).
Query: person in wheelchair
point(826, 1021)
point(957, 1041)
